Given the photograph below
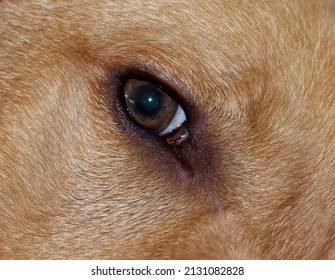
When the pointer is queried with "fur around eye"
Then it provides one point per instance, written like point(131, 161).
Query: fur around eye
point(155, 110)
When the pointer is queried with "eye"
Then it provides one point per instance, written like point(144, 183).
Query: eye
point(155, 110)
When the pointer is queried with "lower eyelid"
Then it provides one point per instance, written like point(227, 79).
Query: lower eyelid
point(177, 136)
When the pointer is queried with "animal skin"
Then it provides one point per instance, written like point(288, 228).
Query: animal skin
point(80, 179)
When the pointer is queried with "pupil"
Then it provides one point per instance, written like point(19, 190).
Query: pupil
point(149, 101)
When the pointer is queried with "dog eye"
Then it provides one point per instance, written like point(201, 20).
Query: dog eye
point(155, 110)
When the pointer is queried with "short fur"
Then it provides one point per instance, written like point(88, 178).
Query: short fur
point(256, 179)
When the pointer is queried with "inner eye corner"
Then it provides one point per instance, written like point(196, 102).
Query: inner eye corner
point(154, 107)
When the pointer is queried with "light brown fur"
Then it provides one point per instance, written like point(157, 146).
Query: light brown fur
point(255, 180)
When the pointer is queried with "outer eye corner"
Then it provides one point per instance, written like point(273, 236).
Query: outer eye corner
point(155, 110)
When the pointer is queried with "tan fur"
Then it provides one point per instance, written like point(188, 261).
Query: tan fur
point(257, 177)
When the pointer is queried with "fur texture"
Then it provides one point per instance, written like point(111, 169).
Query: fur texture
point(78, 179)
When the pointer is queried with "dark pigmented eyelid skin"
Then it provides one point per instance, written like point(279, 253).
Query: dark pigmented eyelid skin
point(116, 101)
point(193, 161)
